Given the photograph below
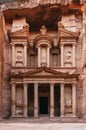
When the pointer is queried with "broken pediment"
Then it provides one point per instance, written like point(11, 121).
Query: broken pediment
point(18, 24)
point(63, 33)
point(21, 33)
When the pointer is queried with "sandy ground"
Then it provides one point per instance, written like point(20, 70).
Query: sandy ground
point(44, 126)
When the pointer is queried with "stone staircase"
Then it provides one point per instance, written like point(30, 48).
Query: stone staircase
point(44, 120)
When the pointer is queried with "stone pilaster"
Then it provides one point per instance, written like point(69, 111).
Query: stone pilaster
point(39, 54)
point(62, 99)
point(25, 55)
point(62, 55)
point(74, 99)
point(48, 56)
point(13, 55)
point(25, 99)
point(35, 99)
point(13, 109)
point(73, 55)
point(51, 100)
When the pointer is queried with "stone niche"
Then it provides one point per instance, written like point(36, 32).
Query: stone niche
point(19, 56)
point(19, 100)
point(68, 56)
point(68, 99)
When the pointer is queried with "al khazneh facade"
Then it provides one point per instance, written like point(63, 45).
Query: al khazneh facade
point(42, 59)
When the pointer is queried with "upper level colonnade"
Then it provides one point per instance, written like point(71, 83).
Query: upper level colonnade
point(43, 52)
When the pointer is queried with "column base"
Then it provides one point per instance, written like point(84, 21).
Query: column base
point(18, 116)
point(25, 116)
point(62, 116)
point(68, 116)
point(36, 116)
point(52, 116)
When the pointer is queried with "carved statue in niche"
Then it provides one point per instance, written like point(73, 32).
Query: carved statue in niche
point(43, 29)
point(44, 55)
point(19, 57)
point(68, 56)
point(68, 98)
point(19, 100)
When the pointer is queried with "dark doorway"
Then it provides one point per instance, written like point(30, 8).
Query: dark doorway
point(43, 105)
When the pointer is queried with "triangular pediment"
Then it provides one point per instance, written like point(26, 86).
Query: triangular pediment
point(20, 33)
point(45, 72)
point(42, 73)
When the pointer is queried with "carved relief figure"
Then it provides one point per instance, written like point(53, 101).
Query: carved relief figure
point(68, 56)
point(19, 56)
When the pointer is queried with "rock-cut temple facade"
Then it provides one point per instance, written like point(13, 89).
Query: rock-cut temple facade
point(43, 58)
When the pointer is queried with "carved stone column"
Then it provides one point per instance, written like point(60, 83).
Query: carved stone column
point(25, 55)
point(25, 99)
point(74, 99)
point(13, 55)
point(62, 99)
point(13, 107)
point(73, 55)
point(39, 54)
point(62, 55)
point(51, 100)
point(48, 56)
point(35, 99)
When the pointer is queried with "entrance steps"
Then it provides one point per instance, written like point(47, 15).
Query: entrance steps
point(44, 120)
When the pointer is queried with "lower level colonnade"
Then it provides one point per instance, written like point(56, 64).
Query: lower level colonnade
point(67, 100)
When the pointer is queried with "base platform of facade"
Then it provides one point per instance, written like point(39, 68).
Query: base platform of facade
point(44, 120)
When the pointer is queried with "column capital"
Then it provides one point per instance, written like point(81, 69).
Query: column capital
point(74, 84)
point(13, 84)
point(12, 44)
point(25, 45)
point(74, 44)
point(62, 84)
point(52, 84)
point(35, 84)
point(62, 44)
point(25, 84)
